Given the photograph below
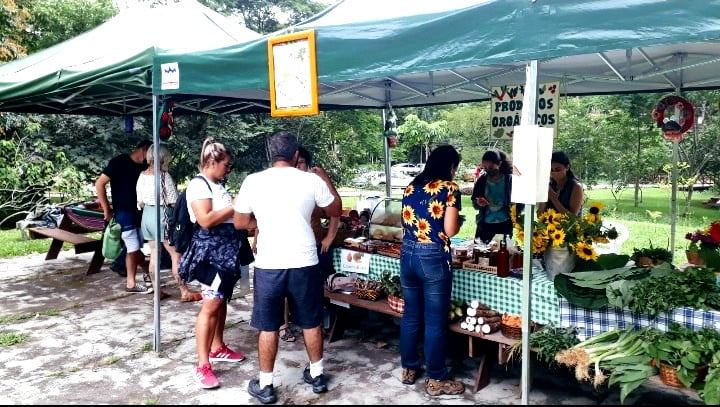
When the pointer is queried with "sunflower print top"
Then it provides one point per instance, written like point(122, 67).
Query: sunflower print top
point(423, 211)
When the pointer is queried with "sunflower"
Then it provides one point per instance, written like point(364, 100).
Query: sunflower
point(443, 236)
point(557, 237)
point(585, 251)
point(408, 214)
point(409, 190)
point(451, 186)
point(450, 201)
point(592, 218)
point(422, 237)
point(436, 209)
point(433, 187)
point(595, 208)
point(423, 226)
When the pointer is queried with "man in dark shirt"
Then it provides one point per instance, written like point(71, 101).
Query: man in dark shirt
point(122, 173)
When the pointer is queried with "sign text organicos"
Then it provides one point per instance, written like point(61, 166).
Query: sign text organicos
point(506, 107)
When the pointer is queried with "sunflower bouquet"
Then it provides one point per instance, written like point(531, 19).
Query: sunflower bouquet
point(576, 233)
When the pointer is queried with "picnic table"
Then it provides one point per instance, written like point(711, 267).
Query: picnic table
point(79, 219)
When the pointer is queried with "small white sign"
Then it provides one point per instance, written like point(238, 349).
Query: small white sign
point(170, 76)
point(532, 149)
point(354, 262)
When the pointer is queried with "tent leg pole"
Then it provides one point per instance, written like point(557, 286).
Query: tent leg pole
point(386, 144)
point(158, 242)
point(528, 118)
point(673, 198)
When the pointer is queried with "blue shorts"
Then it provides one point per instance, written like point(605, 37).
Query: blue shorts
point(303, 288)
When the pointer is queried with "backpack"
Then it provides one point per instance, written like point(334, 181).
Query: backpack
point(180, 228)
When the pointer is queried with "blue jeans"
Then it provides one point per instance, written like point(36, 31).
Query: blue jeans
point(426, 280)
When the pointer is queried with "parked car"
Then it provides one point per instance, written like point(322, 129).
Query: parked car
point(408, 169)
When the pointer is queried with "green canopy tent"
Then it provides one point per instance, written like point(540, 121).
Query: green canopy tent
point(379, 54)
point(108, 71)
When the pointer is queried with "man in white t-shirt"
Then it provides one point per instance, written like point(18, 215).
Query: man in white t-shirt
point(281, 199)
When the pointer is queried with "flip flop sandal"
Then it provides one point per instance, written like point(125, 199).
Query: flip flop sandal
point(287, 335)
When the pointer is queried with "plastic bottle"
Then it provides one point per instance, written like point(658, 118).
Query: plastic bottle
point(503, 260)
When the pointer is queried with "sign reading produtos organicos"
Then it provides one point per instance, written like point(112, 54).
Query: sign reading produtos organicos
point(507, 102)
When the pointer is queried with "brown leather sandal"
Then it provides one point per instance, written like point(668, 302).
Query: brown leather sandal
point(439, 387)
point(409, 376)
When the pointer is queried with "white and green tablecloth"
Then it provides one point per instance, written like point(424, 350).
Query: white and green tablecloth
point(500, 294)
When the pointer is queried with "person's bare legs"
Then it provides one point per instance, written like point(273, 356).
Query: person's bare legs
point(175, 264)
point(267, 350)
point(132, 261)
point(206, 326)
point(314, 343)
point(217, 339)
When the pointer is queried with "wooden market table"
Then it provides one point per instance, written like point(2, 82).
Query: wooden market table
point(77, 222)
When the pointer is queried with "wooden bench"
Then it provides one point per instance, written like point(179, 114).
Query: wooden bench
point(80, 242)
point(492, 347)
point(343, 302)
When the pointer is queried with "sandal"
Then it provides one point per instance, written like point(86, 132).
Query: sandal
point(191, 297)
point(439, 387)
point(409, 376)
point(286, 334)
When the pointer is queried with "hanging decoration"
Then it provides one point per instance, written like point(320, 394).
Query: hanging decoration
point(674, 115)
point(391, 130)
point(166, 120)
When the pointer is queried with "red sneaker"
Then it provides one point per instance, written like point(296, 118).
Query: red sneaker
point(225, 354)
point(205, 377)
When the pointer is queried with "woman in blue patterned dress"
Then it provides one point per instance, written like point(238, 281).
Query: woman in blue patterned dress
point(431, 216)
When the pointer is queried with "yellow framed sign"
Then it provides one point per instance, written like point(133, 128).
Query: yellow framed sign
point(293, 74)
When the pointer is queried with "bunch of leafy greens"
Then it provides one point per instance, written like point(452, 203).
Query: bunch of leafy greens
point(695, 287)
point(619, 293)
point(550, 340)
point(619, 352)
point(588, 289)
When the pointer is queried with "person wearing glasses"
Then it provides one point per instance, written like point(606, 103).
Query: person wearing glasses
point(491, 197)
point(565, 193)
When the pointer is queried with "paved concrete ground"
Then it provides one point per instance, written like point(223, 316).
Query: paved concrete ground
point(88, 342)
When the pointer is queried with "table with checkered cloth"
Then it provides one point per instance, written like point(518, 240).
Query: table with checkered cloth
point(500, 294)
point(592, 322)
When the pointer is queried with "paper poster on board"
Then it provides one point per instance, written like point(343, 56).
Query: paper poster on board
point(169, 76)
point(506, 104)
point(354, 262)
point(532, 150)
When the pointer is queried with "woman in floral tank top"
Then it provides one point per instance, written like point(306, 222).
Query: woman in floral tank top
point(431, 216)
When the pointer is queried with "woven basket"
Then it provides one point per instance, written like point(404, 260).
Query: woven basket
point(668, 375)
point(515, 332)
point(511, 331)
point(365, 294)
point(396, 304)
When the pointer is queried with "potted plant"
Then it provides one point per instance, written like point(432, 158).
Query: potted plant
point(393, 289)
point(705, 244)
point(651, 256)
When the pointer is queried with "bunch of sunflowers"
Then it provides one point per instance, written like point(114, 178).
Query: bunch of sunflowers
point(552, 229)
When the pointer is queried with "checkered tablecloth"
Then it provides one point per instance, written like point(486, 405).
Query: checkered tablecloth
point(593, 322)
point(500, 294)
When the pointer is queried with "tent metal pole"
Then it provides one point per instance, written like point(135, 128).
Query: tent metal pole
point(386, 143)
point(528, 118)
point(158, 242)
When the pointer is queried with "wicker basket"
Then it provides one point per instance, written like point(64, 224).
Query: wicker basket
point(511, 331)
point(668, 375)
point(515, 332)
point(396, 304)
point(368, 290)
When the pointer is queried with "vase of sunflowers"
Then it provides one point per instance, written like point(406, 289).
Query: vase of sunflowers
point(563, 238)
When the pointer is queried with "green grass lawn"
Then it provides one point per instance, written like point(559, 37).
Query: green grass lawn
point(645, 229)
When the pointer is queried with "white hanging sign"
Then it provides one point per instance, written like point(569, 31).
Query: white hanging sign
point(506, 103)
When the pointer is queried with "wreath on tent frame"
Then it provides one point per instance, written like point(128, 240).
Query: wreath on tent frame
point(166, 120)
point(675, 115)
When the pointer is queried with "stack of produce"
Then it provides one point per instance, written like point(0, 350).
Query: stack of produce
point(481, 319)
